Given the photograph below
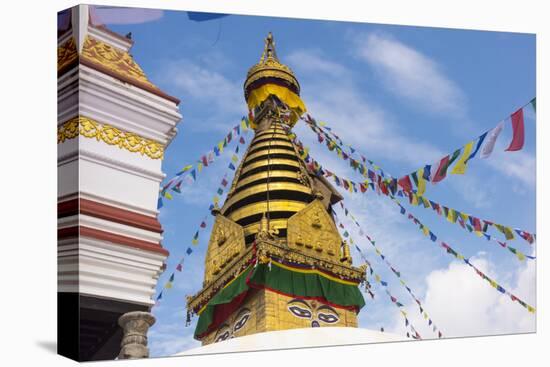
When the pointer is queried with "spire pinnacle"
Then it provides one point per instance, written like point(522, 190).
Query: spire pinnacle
point(269, 49)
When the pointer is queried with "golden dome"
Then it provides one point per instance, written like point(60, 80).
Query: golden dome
point(270, 70)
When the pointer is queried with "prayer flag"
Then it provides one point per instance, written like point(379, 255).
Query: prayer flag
point(231, 166)
point(534, 104)
point(518, 130)
point(405, 183)
point(491, 140)
point(179, 267)
point(168, 285)
point(441, 169)
point(189, 251)
point(241, 140)
point(460, 166)
point(220, 191)
point(427, 173)
point(478, 145)
point(421, 188)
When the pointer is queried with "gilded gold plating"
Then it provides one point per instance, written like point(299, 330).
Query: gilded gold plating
point(89, 128)
point(256, 189)
point(225, 246)
point(262, 207)
point(269, 66)
point(263, 175)
point(268, 152)
point(312, 231)
point(265, 163)
point(271, 143)
point(273, 223)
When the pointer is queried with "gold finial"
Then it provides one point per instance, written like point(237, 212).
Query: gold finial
point(269, 49)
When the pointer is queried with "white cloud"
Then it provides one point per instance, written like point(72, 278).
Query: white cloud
point(462, 304)
point(519, 165)
point(410, 74)
point(209, 89)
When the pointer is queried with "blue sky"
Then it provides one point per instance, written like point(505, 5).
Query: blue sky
point(404, 97)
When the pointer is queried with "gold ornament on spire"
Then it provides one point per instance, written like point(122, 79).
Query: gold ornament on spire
point(271, 77)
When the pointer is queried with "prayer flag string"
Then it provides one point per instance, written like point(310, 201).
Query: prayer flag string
point(454, 216)
point(414, 334)
point(189, 172)
point(393, 269)
point(203, 224)
point(427, 232)
point(437, 171)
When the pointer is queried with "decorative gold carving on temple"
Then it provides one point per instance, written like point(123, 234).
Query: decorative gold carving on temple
point(114, 59)
point(66, 54)
point(226, 245)
point(89, 128)
point(312, 230)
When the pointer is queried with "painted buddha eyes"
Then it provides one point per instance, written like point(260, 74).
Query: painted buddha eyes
point(300, 312)
point(226, 331)
point(328, 318)
point(241, 319)
point(223, 333)
point(310, 311)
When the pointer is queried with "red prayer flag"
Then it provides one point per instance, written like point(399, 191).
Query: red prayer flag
point(441, 171)
point(362, 187)
point(405, 183)
point(519, 131)
point(477, 224)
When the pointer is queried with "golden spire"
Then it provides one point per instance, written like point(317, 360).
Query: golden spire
point(270, 70)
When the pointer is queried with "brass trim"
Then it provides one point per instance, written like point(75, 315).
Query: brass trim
point(265, 163)
point(270, 151)
point(273, 186)
point(262, 175)
point(267, 144)
point(272, 132)
point(261, 207)
point(273, 223)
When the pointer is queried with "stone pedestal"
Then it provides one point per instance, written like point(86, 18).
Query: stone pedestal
point(134, 340)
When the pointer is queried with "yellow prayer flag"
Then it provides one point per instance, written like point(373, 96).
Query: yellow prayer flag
point(530, 309)
point(451, 215)
point(414, 199)
point(195, 241)
point(168, 285)
point(243, 125)
point(167, 195)
point(199, 167)
point(478, 233)
point(493, 283)
point(459, 257)
point(460, 166)
point(220, 146)
point(426, 231)
point(425, 315)
point(421, 182)
point(520, 255)
point(377, 278)
point(321, 123)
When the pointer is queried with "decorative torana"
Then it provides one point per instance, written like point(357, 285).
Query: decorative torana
point(89, 128)
point(275, 259)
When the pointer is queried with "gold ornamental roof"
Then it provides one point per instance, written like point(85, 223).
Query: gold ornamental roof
point(270, 69)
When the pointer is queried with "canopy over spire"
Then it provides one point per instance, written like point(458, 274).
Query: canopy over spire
point(270, 77)
point(270, 71)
